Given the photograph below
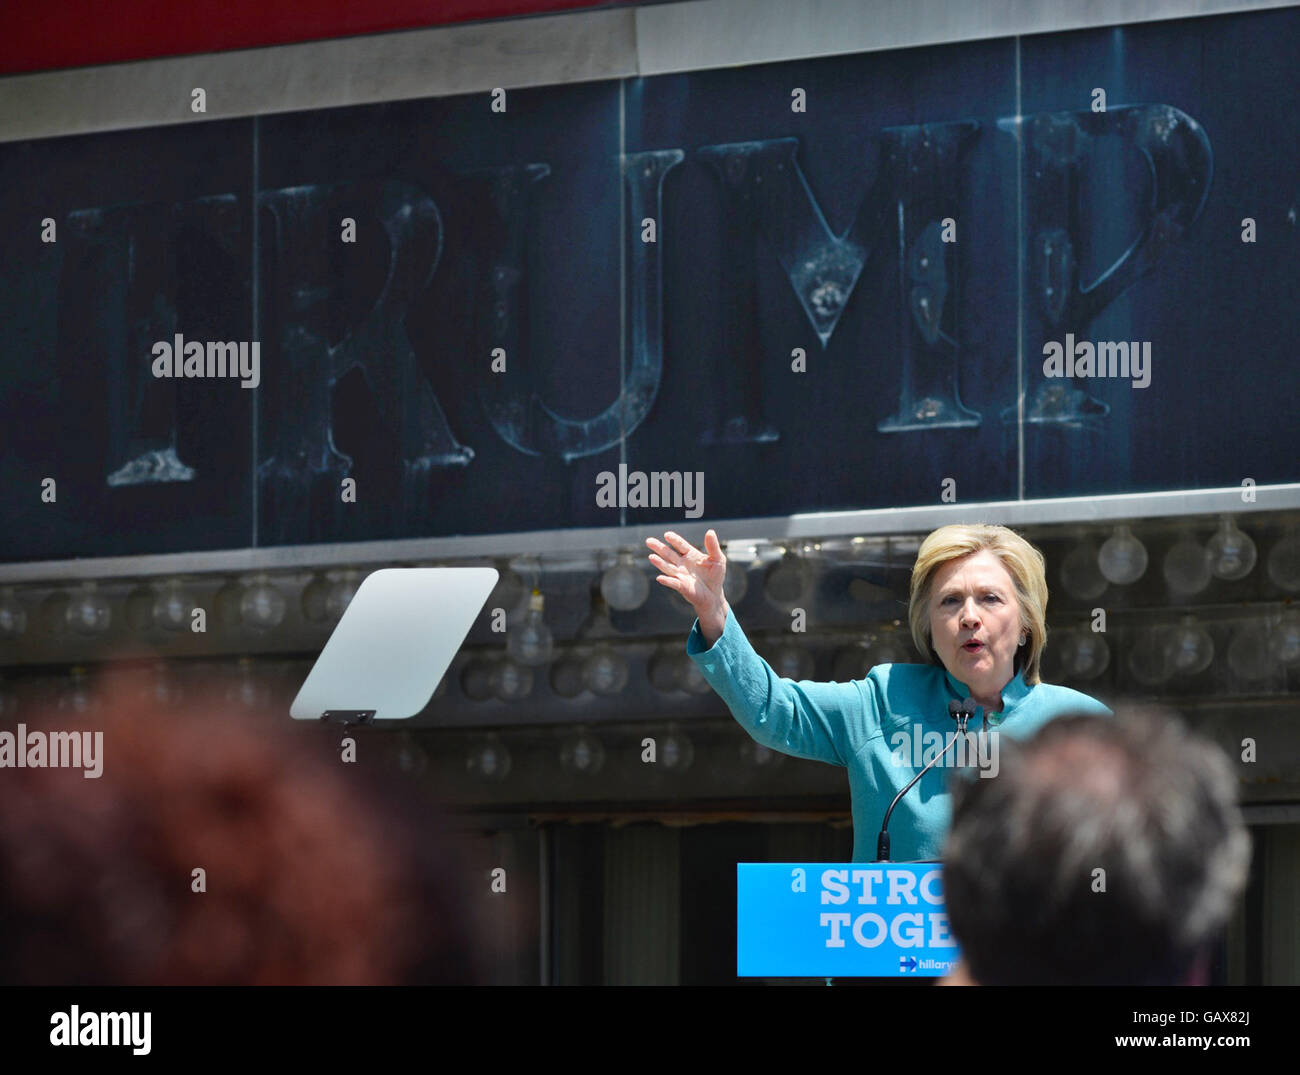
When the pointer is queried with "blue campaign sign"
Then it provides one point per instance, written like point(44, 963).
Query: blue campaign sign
point(828, 919)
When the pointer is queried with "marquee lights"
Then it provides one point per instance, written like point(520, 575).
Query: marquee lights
point(598, 661)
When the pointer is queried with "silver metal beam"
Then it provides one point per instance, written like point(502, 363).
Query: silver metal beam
point(540, 51)
point(731, 33)
point(877, 522)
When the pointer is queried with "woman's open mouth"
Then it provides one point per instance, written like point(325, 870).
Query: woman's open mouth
point(973, 646)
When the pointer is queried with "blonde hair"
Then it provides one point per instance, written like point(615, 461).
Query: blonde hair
point(1023, 563)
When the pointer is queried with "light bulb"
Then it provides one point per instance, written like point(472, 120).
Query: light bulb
point(172, 606)
point(792, 662)
point(759, 756)
point(531, 642)
point(1190, 648)
point(788, 582)
point(1284, 561)
point(412, 758)
point(625, 586)
point(315, 598)
point(1084, 654)
point(247, 688)
point(567, 678)
point(340, 595)
point(1248, 652)
point(88, 612)
point(1080, 575)
point(512, 681)
point(489, 760)
point(1123, 558)
point(163, 687)
point(76, 696)
point(1148, 660)
point(735, 583)
point(477, 680)
point(1186, 566)
point(1284, 639)
point(582, 753)
point(262, 605)
point(676, 751)
point(1232, 553)
point(664, 670)
point(13, 617)
point(605, 671)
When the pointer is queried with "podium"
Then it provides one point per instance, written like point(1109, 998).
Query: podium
point(829, 919)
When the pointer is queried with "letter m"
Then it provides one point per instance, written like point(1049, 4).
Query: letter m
point(65, 749)
point(120, 1022)
point(1112, 359)
point(669, 488)
point(218, 354)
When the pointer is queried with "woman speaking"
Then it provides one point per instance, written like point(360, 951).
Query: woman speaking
point(977, 609)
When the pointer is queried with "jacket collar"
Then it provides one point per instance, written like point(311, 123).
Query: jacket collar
point(1012, 694)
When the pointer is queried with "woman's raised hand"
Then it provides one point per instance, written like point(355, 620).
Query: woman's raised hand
point(696, 575)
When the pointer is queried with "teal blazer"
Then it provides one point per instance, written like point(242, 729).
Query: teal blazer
point(882, 728)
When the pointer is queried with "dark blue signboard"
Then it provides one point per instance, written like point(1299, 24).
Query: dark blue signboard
point(1063, 265)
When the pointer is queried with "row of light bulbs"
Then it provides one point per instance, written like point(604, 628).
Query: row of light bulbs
point(1122, 559)
point(1161, 654)
point(256, 603)
point(243, 686)
point(1086, 571)
point(260, 605)
point(583, 753)
point(603, 672)
point(1188, 566)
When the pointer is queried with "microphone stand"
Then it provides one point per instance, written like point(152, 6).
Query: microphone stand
point(961, 712)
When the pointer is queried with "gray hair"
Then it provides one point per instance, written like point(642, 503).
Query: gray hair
point(1106, 851)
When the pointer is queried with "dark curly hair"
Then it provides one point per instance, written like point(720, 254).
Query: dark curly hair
point(314, 875)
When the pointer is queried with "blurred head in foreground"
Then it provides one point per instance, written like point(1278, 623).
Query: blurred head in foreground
point(313, 876)
point(1136, 796)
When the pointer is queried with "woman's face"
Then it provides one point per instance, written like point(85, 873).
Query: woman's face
point(973, 600)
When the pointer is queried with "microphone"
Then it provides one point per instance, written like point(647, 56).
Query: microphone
point(961, 712)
